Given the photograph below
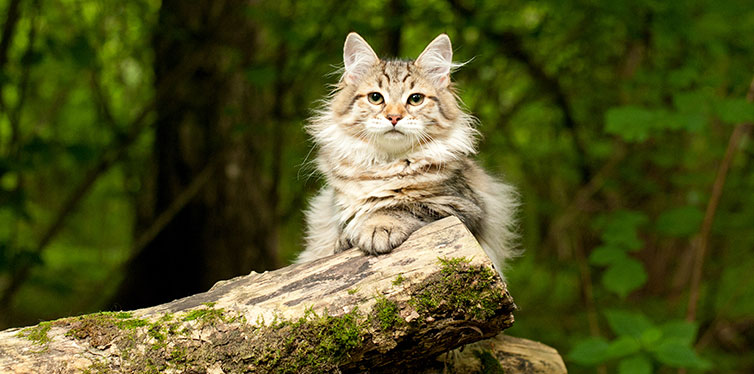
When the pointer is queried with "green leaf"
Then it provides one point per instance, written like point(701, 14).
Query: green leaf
point(735, 111)
point(16, 202)
point(589, 352)
point(81, 152)
point(39, 148)
point(9, 181)
point(693, 102)
point(82, 51)
point(692, 122)
point(650, 336)
point(676, 353)
point(620, 229)
point(638, 364)
point(633, 124)
point(680, 222)
point(683, 77)
point(606, 255)
point(638, 124)
point(622, 347)
point(32, 58)
point(624, 276)
point(679, 330)
point(261, 75)
point(626, 323)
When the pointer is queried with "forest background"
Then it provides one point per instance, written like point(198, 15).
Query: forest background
point(149, 149)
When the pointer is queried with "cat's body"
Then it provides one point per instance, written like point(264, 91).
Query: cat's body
point(395, 149)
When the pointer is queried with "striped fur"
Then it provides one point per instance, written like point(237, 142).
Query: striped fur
point(385, 179)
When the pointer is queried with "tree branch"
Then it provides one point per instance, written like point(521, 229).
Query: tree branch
point(14, 116)
point(9, 29)
point(701, 241)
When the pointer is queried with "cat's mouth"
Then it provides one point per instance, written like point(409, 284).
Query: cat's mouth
point(393, 132)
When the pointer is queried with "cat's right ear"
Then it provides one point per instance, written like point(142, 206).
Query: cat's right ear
point(358, 57)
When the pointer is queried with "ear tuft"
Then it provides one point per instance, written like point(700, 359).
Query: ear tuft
point(358, 57)
point(437, 60)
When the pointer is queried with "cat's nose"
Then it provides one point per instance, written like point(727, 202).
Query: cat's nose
point(394, 118)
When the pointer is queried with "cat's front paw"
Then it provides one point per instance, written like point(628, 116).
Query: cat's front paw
point(382, 234)
point(342, 244)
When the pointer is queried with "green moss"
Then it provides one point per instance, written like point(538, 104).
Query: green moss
point(386, 312)
point(451, 265)
point(178, 354)
point(120, 329)
point(490, 364)
point(92, 325)
point(119, 320)
point(37, 334)
point(131, 323)
point(127, 333)
point(461, 289)
point(336, 335)
point(98, 367)
point(398, 280)
point(352, 291)
point(122, 315)
point(209, 315)
point(156, 332)
point(116, 315)
point(165, 326)
point(315, 343)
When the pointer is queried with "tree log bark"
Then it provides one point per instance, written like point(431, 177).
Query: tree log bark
point(502, 354)
point(345, 313)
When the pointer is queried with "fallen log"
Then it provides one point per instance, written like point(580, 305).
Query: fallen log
point(345, 313)
point(501, 354)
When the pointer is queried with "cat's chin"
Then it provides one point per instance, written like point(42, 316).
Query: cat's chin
point(394, 142)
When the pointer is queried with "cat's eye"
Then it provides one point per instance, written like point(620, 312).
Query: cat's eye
point(375, 98)
point(416, 99)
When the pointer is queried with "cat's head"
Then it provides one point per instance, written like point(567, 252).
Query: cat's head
point(383, 110)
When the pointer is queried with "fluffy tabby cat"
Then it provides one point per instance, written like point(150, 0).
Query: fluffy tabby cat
point(395, 148)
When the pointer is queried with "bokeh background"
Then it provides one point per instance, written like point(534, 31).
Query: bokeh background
point(149, 149)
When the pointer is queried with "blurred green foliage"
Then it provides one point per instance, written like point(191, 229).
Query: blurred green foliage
point(611, 118)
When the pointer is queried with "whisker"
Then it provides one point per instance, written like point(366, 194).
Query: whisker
point(306, 164)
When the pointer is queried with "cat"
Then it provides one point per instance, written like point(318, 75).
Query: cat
point(395, 148)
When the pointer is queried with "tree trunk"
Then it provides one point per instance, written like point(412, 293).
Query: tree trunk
point(345, 313)
point(208, 118)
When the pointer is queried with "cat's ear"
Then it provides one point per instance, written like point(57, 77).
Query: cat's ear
point(437, 60)
point(358, 57)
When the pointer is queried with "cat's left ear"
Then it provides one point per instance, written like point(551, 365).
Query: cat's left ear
point(437, 60)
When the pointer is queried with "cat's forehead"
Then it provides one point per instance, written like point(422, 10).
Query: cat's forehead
point(395, 76)
point(397, 70)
